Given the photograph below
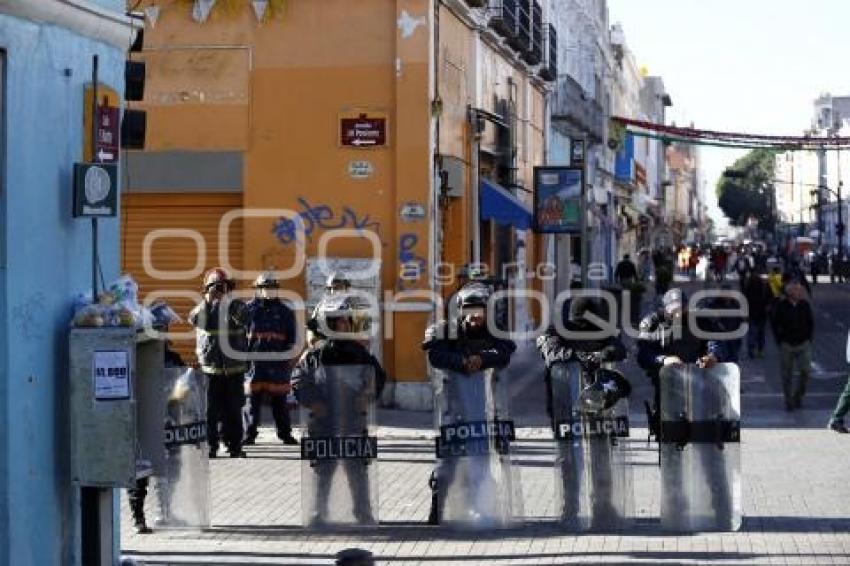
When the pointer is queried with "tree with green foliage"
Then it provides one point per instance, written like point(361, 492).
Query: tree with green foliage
point(745, 190)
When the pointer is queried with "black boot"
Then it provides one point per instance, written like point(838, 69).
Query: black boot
point(434, 514)
point(139, 524)
point(137, 497)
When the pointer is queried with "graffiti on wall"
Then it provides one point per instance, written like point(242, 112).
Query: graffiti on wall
point(321, 217)
point(411, 265)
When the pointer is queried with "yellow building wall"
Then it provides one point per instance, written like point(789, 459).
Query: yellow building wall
point(276, 91)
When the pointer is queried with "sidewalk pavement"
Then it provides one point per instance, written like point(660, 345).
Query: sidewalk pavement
point(795, 497)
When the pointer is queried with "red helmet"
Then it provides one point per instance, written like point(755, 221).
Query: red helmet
point(217, 276)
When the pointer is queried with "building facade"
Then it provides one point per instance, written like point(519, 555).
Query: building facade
point(45, 257)
point(808, 183)
point(255, 116)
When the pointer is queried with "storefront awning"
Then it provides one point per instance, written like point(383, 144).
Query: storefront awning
point(499, 205)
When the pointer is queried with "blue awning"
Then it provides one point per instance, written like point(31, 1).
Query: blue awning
point(499, 205)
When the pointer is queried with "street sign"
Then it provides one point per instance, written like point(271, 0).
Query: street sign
point(412, 211)
point(360, 169)
point(577, 153)
point(95, 189)
point(108, 134)
point(363, 131)
point(108, 142)
point(557, 199)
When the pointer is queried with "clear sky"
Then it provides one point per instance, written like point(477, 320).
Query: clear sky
point(750, 66)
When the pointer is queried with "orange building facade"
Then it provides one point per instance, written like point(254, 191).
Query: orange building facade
point(337, 128)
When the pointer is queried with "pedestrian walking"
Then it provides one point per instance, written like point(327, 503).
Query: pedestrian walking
point(220, 322)
point(626, 271)
point(743, 265)
point(271, 333)
point(645, 266)
point(759, 298)
point(793, 328)
point(836, 421)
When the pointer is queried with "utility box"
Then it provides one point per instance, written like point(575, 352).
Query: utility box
point(117, 405)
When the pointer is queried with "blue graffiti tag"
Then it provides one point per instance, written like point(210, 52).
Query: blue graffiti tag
point(411, 265)
point(321, 217)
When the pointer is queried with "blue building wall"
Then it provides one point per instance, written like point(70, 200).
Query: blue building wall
point(48, 261)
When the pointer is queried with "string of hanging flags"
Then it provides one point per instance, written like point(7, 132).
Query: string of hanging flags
point(200, 10)
point(619, 126)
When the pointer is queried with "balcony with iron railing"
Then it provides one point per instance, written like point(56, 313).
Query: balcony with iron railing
point(573, 110)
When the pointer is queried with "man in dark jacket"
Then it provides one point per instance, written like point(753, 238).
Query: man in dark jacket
point(666, 337)
point(463, 348)
point(793, 327)
point(759, 298)
point(219, 323)
point(271, 332)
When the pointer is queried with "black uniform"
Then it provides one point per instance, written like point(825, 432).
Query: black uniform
point(137, 495)
point(333, 414)
point(658, 339)
point(590, 353)
point(226, 392)
point(448, 347)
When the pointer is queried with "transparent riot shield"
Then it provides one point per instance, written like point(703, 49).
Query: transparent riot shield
point(181, 483)
point(339, 449)
point(476, 485)
point(593, 475)
point(700, 448)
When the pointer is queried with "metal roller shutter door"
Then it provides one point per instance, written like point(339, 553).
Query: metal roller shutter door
point(144, 212)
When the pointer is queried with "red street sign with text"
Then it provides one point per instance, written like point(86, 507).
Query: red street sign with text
point(363, 132)
point(108, 134)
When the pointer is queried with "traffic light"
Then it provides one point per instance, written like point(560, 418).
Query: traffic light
point(134, 122)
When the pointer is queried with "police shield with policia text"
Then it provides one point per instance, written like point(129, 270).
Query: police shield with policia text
point(336, 383)
point(588, 407)
point(472, 485)
point(698, 416)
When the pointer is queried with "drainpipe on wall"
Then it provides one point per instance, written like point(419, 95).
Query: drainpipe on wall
point(475, 192)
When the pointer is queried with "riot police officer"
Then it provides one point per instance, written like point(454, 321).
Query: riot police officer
point(271, 332)
point(667, 337)
point(463, 348)
point(336, 284)
point(163, 317)
point(580, 396)
point(218, 320)
point(580, 344)
point(330, 383)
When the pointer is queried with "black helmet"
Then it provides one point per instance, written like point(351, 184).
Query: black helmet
point(472, 295)
point(337, 279)
point(609, 387)
point(266, 280)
